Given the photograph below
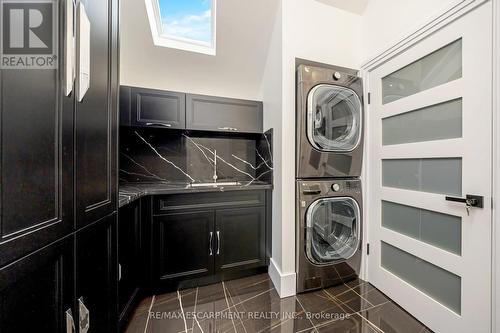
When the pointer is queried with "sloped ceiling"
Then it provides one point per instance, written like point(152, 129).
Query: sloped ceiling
point(353, 6)
point(243, 37)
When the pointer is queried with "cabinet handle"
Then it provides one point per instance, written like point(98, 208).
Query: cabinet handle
point(84, 316)
point(70, 322)
point(218, 242)
point(210, 245)
point(228, 129)
point(83, 52)
point(70, 46)
point(158, 124)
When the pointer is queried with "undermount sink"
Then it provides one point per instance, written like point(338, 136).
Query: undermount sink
point(215, 184)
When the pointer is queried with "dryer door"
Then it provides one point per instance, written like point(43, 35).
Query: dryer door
point(334, 116)
point(333, 232)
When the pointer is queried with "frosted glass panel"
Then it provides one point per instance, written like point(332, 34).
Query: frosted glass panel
point(441, 285)
point(441, 230)
point(441, 66)
point(436, 122)
point(434, 175)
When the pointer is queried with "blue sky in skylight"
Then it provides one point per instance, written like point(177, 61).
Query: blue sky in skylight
point(189, 19)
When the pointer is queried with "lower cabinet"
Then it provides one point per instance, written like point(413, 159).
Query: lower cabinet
point(130, 263)
point(197, 244)
point(183, 247)
point(96, 276)
point(241, 239)
point(68, 286)
point(36, 292)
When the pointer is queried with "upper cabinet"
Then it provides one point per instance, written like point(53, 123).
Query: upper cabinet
point(210, 113)
point(165, 109)
point(36, 154)
point(152, 108)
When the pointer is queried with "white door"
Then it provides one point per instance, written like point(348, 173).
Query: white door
point(430, 137)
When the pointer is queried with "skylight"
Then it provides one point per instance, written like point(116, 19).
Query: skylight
point(183, 24)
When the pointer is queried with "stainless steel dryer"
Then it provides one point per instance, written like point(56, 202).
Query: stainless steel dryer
point(329, 232)
point(329, 122)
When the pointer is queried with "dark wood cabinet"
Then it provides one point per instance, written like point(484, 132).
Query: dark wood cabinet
point(96, 134)
point(58, 177)
point(96, 276)
point(37, 290)
point(183, 246)
point(130, 261)
point(201, 238)
point(143, 107)
point(210, 113)
point(58, 155)
point(241, 239)
point(152, 108)
point(36, 152)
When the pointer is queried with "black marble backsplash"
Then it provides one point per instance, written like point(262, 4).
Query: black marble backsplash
point(159, 155)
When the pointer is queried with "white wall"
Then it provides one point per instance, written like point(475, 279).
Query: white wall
point(272, 93)
point(318, 32)
point(385, 21)
point(236, 71)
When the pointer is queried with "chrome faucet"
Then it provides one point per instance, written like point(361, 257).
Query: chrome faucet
point(215, 166)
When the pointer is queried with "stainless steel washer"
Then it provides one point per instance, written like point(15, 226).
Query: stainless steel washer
point(329, 136)
point(329, 232)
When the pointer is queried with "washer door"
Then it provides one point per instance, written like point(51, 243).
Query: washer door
point(333, 232)
point(334, 116)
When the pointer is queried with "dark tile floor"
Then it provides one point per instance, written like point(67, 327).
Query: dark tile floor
point(252, 305)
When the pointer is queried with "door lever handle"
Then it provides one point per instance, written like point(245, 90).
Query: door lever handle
point(469, 200)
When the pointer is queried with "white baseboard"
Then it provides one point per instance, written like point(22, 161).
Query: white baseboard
point(285, 284)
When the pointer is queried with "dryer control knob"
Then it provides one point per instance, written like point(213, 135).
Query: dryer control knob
point(336, 187)
point(336, 76)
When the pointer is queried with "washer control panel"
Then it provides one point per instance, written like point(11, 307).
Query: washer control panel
point(345, 186)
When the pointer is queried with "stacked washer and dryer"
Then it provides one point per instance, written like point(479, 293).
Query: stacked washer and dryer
point(329, 155)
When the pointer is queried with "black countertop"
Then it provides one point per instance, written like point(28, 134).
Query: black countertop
point(133, 191)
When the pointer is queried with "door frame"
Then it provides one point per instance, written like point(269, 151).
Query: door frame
point(496, 165)
point(437, 21)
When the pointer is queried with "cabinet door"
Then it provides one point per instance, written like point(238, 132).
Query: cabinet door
point(129, 257)
point(36, 291)
point(36, 151)
point(96, 118)
point(125, 106)
point(210, 113)
point(183, 246)
point(96, 276)
point(240, 239)
point(157, 108)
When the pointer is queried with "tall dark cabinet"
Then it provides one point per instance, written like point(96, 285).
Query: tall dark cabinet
point(96, 119)
point(36, 154)
point(58, 184)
